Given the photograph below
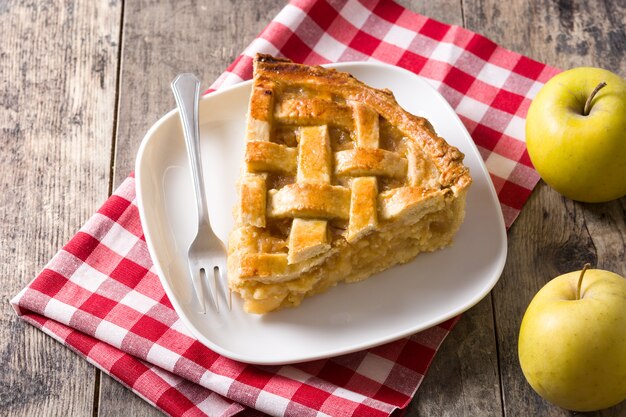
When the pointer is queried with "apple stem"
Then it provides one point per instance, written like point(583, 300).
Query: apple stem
point(587, 108)
point(580, 280)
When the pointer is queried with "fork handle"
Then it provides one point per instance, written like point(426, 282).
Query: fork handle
point(186, 88)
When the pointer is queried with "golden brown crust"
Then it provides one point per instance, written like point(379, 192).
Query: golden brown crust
point(448, 158)
point(335, 169)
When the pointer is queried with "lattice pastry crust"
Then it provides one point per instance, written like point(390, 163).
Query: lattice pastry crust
point(339, 182)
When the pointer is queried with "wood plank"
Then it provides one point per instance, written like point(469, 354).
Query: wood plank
point(160, 40)
point(472, 338)
point(553, 235)
point(59, 68)
point(446, 11)
point(463, 379)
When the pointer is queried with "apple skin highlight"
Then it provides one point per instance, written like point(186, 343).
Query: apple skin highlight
point(573, 352)
point(581, 156)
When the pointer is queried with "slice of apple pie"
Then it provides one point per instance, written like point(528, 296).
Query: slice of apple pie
point(338, 183)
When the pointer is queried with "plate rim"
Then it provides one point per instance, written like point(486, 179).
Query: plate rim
point(498, 265)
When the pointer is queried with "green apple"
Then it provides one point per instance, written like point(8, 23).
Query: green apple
point(572, 341)
point(576, 134)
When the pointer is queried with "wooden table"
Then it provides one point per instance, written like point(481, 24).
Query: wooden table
point(82, 81)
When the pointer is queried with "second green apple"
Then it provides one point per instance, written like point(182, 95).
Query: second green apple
point(572, 340)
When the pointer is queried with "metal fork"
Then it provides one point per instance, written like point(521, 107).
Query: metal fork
point(207, 253)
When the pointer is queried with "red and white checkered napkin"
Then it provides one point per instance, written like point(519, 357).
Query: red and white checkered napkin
point(100, 296)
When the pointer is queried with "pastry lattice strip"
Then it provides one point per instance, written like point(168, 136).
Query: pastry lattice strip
point(364, 192)
point(309, 237)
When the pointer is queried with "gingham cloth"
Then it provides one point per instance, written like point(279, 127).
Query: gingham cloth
point(100, 295)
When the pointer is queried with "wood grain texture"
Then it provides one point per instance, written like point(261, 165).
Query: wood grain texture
point(58, 66)
point(160, 40)
point(553, 235)
point(463, 379)
point(446, 11)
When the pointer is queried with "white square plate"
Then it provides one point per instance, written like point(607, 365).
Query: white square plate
point(395, 303)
